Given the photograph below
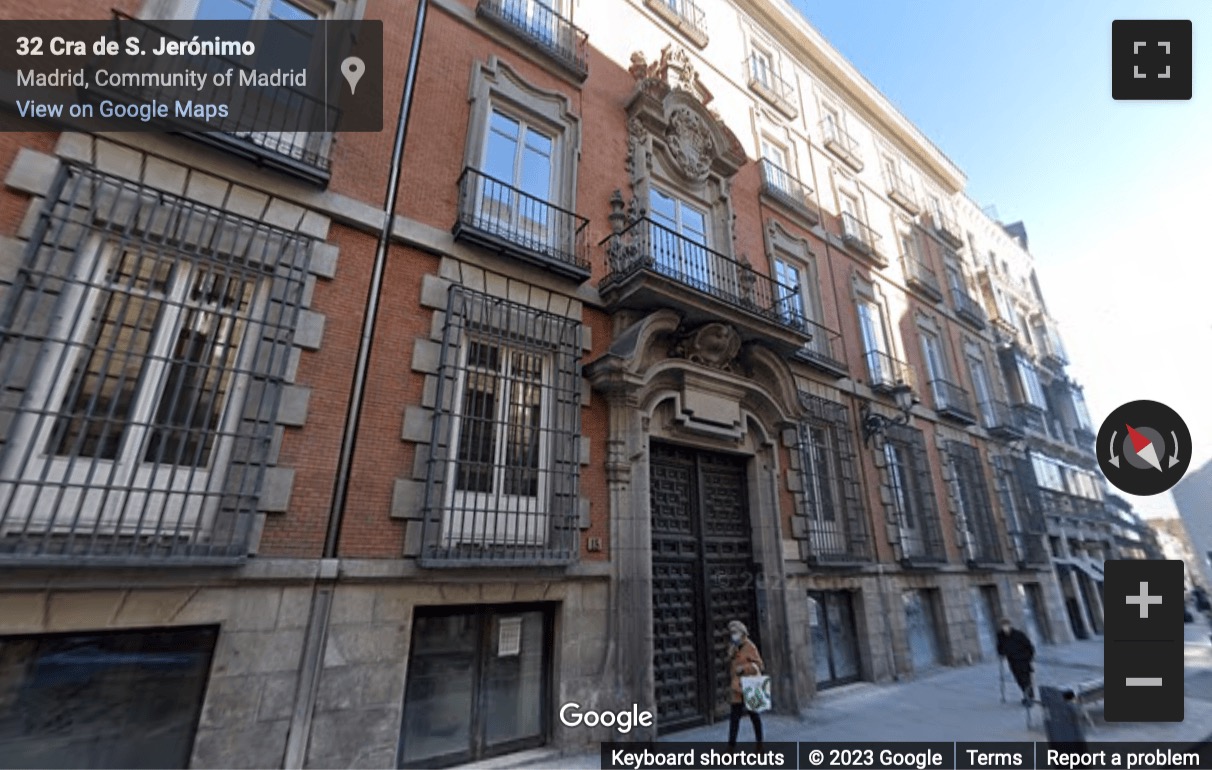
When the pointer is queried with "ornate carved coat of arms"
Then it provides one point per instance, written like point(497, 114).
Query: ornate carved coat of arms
point(690, 144)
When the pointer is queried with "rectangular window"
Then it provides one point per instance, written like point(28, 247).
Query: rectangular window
point(1021, 508)
point(851, 217)
point(501, 429)
point(300, 145)
point(875, 341)
point(761, 68)
point(970, 491)
point(477, 683)
point(913, 501)
point(955, 278)
point(539, 18)
point(832, 123)
point(680, 242)
point(984, 390)
point(822, 491)
point(1083, 413)
point(778, 172)
point(516, 185)
point(157, 365)
point(836, 523)
point(932, 350)
point(503, 474)
point(791, 305)
point(1029, 379)
point(1048, 473)
point(111, 699)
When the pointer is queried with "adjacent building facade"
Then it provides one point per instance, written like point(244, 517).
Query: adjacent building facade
point(1192, 496)
point(665, 329)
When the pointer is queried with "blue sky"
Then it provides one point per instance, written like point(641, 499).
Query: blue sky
point(1116, 196)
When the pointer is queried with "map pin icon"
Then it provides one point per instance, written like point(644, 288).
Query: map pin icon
point(353, 68)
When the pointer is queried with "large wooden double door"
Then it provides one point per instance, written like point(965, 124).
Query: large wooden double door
point(703, 575)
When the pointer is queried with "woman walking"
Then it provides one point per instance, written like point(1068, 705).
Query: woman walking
point(743, 660)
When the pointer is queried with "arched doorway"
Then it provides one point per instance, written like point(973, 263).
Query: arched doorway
point(703, 576)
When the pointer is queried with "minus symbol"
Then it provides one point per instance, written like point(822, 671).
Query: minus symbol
point(1143, 681)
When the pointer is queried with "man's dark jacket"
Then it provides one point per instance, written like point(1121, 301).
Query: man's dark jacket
point(1015, 646)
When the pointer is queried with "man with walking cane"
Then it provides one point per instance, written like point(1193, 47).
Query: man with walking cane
point(1019, 652)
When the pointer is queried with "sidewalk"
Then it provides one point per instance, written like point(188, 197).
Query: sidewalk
point(953, 704)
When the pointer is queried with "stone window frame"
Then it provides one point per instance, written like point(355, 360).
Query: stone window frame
point(864, 289)
point(515, 326)
point(973, 348)
point(785, 245)
point(497, 85)
point(769, 132)
point(912, 441)
point(846, 182)
point(926, 323)
point(652, 164)
point(782, 65)
point(268, 490)
point(965, 499)
point(834, 418)
point(827, 103)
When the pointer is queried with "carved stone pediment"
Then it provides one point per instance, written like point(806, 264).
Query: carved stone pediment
point(670, 104)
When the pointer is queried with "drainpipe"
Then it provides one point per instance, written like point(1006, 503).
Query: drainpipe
point(353, 416)
point(321, 604)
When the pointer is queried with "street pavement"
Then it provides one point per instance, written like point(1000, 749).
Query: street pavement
point(950, 704)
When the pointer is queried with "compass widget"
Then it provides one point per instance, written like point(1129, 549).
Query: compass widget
point(1144, 448)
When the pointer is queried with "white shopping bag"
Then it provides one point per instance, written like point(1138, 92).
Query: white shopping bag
point(755, 692)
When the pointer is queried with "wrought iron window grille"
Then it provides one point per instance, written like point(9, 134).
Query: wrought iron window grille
point(831, 499)
point(145, 346)
point(503, 474)
point(979, 529)
point(914, 509)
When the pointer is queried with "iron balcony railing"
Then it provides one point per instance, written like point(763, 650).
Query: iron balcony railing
point(1065, 506)
point(824, 350)
point(646, 245)
point(1001, 420)
point(536, 22)
point(921, 277)
point(841, 143)
point(858, 235)
point(294, 145)
point(499, 215)
point(779, 184)
point(950, 400)
point(1031, 418)
point(685, 15)
point(1051, 349)
point(887, 373)
point(948, 229)
point(967, 308)
point(764, 80)
point(1084, 438)
point(902, 192)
